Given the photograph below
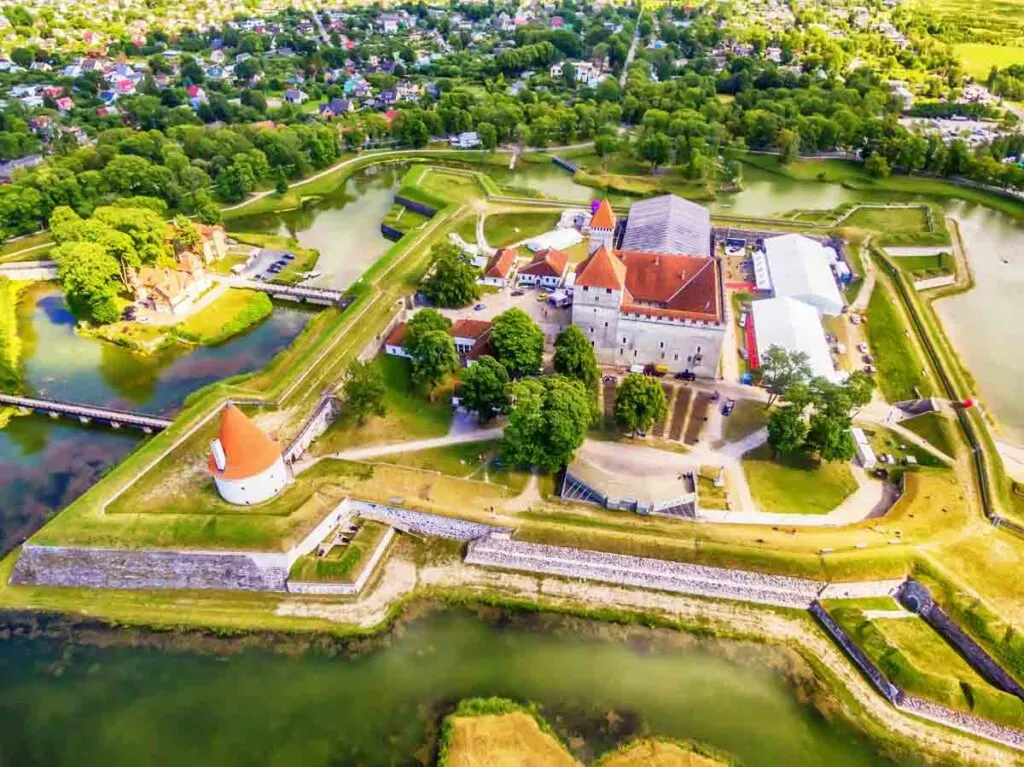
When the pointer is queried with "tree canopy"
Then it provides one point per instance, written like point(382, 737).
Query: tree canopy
point(575, 358)
point(519, 343)
point(364, 390)
point(639, 403)
point(452, 279)
point(484, 388)
point(548, 422)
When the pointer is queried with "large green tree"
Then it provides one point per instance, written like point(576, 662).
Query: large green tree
point(787, 429)
point(422, 323)
point(452, 280)
point(88, 274)
point(574, 357)
point(780, 369)
point(364, 390)
point(639, 403)
point(484, 388)
point(518, 342)
point(434, 358)
point(548, 422)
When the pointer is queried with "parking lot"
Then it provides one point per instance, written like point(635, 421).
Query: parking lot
point(268, 264)
point(551, 320)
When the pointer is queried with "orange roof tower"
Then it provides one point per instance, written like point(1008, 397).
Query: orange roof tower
point(604, 217)
point(247, 450)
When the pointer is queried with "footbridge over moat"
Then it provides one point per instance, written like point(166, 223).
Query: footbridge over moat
point(88, 413)
point(301, 293)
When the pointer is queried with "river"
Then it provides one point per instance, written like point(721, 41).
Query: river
point(45, 464)
point(64, 704)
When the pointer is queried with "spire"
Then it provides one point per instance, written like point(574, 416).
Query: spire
point(241, 447)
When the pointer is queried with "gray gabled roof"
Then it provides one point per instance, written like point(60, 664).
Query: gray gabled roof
point(668, 224)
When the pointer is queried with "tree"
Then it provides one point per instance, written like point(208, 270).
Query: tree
point(434, 358)
point(789, 146)
point(548, 422)
point(877, 166)
point(787, 429)
point(88, 274)
point(518, 342)
point(184, 235)
point(574, 357)
point(639, 403)
point(488, 135)
point(423, 322)
point(281, 185)
point(829, 436)
point(364, 390)
point(781, 369)
point(655, 148)
point(452, 281)
point(484, 385)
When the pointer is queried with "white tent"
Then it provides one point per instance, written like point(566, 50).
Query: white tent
point(799, 269)
point(762, 279)
point(796, 327)
point(559, 239)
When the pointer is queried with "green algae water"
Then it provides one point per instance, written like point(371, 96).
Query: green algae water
point(64, 704)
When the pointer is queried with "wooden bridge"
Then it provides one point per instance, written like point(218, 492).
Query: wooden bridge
point(87, 413)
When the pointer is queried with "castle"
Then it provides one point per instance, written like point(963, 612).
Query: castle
point(657, 299)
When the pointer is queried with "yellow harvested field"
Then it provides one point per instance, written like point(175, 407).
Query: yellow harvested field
point(658, 753)
point(505, 740)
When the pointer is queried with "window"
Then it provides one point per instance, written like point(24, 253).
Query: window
point(698, 350)
point(675, 357)
point(608, 291)
point(663, 355)
point(606, 324)
point(623, 339)
point(661, 345)
point(634, 352)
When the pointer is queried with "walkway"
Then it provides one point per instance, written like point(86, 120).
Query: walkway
point(87, 413)
point(376, 451)
point(300, 293)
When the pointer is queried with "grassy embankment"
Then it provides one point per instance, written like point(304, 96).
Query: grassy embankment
point(979, 58)
point(796, 484)
point(344, 564)
point(923, 267)
point(912, 655)
point(32, 247)
point(901, 372)
point(935, 429)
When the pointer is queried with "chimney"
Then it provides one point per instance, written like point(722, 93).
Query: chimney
point(219, 457)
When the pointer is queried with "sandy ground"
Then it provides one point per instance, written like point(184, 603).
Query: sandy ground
point(401, 578)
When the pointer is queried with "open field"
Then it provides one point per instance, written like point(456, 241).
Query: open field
point(409, 414)
point(503, 229)
point(504, 740)
point(979, 58)
point(890, 221)
point(747, 417)
point(922, 267)
point(796, 484)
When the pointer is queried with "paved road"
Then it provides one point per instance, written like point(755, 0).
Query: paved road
point(632, 53)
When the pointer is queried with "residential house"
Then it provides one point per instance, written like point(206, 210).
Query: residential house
point(213, 243)
point(501, 269)
point(294, 96)
point(65, 104)
point(547, 269)
point(336, 108)
point(467, 140)
point(170, 291)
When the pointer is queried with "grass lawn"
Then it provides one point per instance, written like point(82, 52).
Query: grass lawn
point(890, 221)
point(884, 440)
point(10, 339)
point(466, 229)
point(979, 58)
point(342, 563)
point(471, 460)
point(504, 740)
point(410, 415)
point(935, 428)
point(654, 752)
point(10, 251)
point(922, 267)
point(230, 314)
point(747, 417)
point(503, 229)
point(900, 375)
point(709, 496)
point(796, 484)
point(450, 186)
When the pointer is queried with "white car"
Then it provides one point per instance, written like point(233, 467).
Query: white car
point(862, 347)
point(855, 319)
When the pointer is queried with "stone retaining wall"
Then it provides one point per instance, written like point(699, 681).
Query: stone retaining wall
point(101, 568)
point(959, 720)
point(346, 589)
point(889, 691)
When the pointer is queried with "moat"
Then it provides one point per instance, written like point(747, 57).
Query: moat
point(65, 703)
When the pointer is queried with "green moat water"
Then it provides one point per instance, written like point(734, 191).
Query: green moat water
point(63, 704)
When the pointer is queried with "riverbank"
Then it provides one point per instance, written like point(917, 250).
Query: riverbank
point(10, 340)
point(415, 574)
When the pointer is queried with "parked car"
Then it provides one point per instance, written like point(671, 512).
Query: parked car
point(862, 347)
point(728, 405)
point(517, 293)
point(655, 370)
point(542, 296)
point(609, 379)
point(868, 359)
point(479, 307)
point(855, 319)
point(686, 375)
point(128, 313)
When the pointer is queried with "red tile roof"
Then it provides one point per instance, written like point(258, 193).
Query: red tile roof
point(248, 450)
point(686, 287)
point(501, 263)
point(601, 270)
point(397, 335)
point(470, 328)
point(604, 217)
point(547, 263)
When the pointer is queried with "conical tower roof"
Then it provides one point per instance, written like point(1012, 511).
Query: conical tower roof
point(248, 450)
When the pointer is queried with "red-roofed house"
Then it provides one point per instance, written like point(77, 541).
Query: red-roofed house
point(547, 269)
point(472, 339)
point(645, 308)
point(394, 344)
point(501, 269)
point(468, 333)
